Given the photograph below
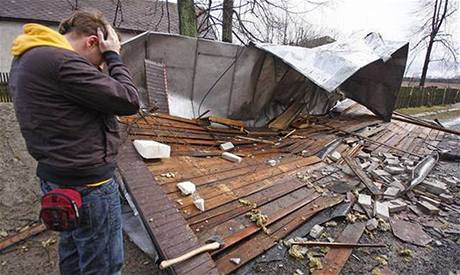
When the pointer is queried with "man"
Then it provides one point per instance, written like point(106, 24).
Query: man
point(66, 109)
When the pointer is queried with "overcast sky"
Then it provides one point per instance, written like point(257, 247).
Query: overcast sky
point(393, 19)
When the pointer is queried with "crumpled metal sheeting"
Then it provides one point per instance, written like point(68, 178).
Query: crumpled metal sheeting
point(328, 66)
point(256, 84)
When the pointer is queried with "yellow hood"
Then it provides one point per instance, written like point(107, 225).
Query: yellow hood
point(36, 35)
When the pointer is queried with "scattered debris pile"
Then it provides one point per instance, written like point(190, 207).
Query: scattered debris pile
point(375, 175)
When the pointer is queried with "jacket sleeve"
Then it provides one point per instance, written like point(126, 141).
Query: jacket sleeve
point(84, 84)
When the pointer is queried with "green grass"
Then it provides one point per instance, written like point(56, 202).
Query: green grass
point(422, 109)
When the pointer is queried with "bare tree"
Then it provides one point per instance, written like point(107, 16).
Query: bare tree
point(187, 17)
point(227, 21)
point(253, 20)
point(434, 34)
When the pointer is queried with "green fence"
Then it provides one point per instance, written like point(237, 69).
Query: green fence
point(429, 96)
point(4, 96)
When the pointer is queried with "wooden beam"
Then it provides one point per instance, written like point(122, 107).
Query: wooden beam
point(261, 242)
point(253, 228)
point(33, 230)
point(336, 258)
point(362, 176)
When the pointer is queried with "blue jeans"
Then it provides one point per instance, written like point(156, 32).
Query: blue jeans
point(96, 246)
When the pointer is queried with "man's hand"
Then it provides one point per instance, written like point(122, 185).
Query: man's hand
point(112, 43)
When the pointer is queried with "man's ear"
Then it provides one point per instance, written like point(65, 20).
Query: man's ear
point(92, 41)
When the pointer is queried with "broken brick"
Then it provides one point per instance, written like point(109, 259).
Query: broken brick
point(435, 187)
point(372, 224)
point(391, 192)
point(381, 210)
point(427, 207)
point(316, 231)
point(365, 200)
point(447, 198)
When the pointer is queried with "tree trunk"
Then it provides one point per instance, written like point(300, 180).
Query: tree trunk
point(426, 62)
point(187, 17)
point(227, 21)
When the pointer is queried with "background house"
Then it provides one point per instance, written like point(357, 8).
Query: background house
point(129, 17)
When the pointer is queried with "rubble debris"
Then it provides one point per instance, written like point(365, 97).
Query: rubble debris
point(247, 203)
point(379, 173)
point(381, 210)
point(365, 164)
point(406, 252)
point(388, 156)
point(376, 271)
point(49, 242)
point(354, 217)
point(383, 225)
point(231, 157)
point(365, 200)
point(198, 201)
point(391, 192)
point(186, 187)
point(227, 146)
point(314, 262)
point(362, 175)
point(397, 184)
point(340, 187)
point(410, 232)
point(350, 140)
point(392, 162)
point(298, 272)
point(430, 200)
point(150, 149)
point(427, 207)
point(394, 170)
point(336, 258)
point(316, 231)
point(415, 210)
point(382, 259)
point(335, 156)
point(256, 216)
point(447, 198)
point(235, 260)
point(372, 224)
point(298, 251)
point(434, 186)
point(331, 224)
point(396, 205)
point(363, 155)
point(168, 175)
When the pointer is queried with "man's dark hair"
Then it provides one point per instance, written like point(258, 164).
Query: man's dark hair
point(84, 22)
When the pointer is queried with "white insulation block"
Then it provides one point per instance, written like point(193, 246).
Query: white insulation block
point(150, 149)
point(186, 187)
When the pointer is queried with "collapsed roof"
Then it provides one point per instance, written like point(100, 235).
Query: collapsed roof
point(258, 82)
point(293, 177)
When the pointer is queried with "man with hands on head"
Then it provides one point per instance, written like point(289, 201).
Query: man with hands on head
point(66, 108)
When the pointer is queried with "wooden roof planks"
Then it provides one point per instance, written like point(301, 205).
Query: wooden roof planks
point(280, 191)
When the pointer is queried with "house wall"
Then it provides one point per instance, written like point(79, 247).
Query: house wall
point(8, 32)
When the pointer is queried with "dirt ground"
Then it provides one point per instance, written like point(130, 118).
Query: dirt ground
point(19, 189)
point(38, 255)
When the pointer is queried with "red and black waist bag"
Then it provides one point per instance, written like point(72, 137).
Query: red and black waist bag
point(60, 209)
